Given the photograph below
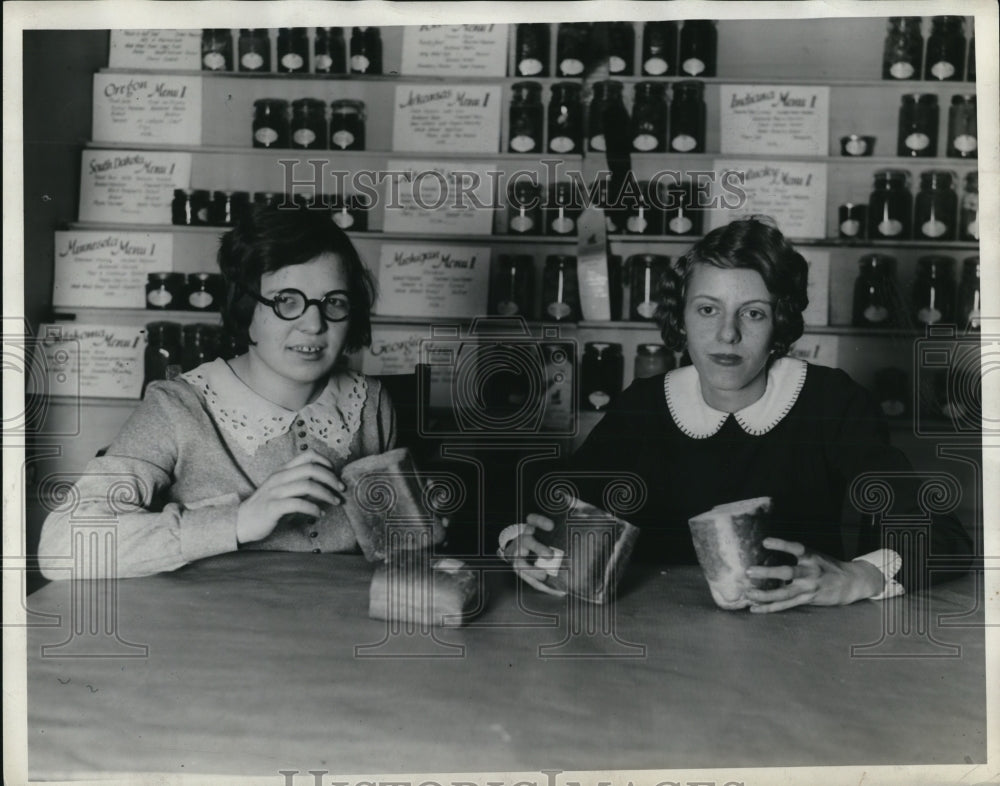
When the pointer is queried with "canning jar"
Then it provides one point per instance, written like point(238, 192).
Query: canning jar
point(366, 50)
point(164, 291)
point(969, 296)
point(890, 206)
point(308, 128)
point(651, 360)
point(659, 49)
point(526, 118)
point(649, 118)
point(349, 211)
point(945, 49)
point(560, 290)
point(270, 123)
point(621, 48)
point(293, 50)
point(852, 220)
point(697, 51)
point(216, 49)
point(918, 126)
point(645, 271)
point(606, 105)
point(330, 51)
point(254, 49)
point(532, 50)
point(190, 207)
point(199, 345)
point(227, 207)
point(347, 124)
point(512, 292)
point(875, 292)
point(524, 213)
point(162, 357)
point(936, 208)
point(562, 212)
point(203, 291)
point(934, 290)
point(602, 374)
point(683, 213)
point(565, 126)
point(573, 48)
point(687, 117)
point(963, 141)
point(904, 46)
point(968, 220)
point(643, 214)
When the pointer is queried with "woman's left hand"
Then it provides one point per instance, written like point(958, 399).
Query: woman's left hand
point(815, 579)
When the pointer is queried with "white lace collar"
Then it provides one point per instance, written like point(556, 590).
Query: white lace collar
point(697, 419)
point(251, 420)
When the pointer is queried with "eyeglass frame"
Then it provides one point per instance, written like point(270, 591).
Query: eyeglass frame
point(318, 302)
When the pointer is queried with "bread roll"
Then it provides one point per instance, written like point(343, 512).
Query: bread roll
point(412, 589)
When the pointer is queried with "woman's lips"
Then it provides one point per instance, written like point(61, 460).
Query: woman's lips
point(724, 359)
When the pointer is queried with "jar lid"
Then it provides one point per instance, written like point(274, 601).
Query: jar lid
point(608, 88)
point(651, 349)
point(161, 277)
point(948, 21)
point(293, 31)
point(602, 347)
point(905, 21)
point(214, 31)
point(650, 89)
point(936, 265)
point(200, 193)
point(274, 104)
point(164, 331)
point(526, 91)
point(566, 90)
point(689, 86)
point(347, 106)
point(963, 99)
point(892, 176)
point(254, 30)
point(308, 105)
point(649, 260)
point(337, 31)
point(560, 260)
point(202, 277)
point(879, 263)
point(937, 178)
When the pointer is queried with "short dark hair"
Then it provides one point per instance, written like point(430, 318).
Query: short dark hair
point(751, 244)
point(267, 238)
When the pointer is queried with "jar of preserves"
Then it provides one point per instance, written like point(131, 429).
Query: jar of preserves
point(216, 49)
point(347, 124)
point(308, 128)
point(524, 211)
point(606, 105)
point(934, 290)
point(645, 272)
point(683, 213)
point(270, 123)
point(649, 118)
point(687, 117)
point(963, 141)
point(203, 291)
point(532, 50)
point(162, 357)
point(918, 126)
point(512, 290)
point(254, 49)
point(562, 211)
point(349, 211)
point(621, 48)
point(652, 360)
point(904, 47)
point(936, 210)
point(165, 291)
point(573, 48)
point(330, 51)
point(945, 49)
point(199, 345)
point(293, 50)
point(659, 49)
point(227, 207)
point(643, 215)
point(875, 292)
point(602, 374)
point(190, 207)
point(697, 51)
point(890, 206)
point(526, 118)
point(565, 126)
point(969, 296)
point(968, 220)
point(560, 290)
point(272, 199)
point(366, 50)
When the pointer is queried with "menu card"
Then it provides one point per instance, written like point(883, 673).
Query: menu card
point(176, 49)
point(446, 118)
point(782, 119)
point(147, 108)
point(394, 350)
point(89, 360)
point(108, 269)
point(455, 50)
point(439, 197)
point(131, 186)
point(433, 280)
point(792, 193)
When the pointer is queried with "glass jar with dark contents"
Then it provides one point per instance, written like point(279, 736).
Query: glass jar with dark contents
point(698, 45)
point(227, 207)
point(366, 50)
point(969, 296)
point(573, 48)
point(968, 221)
point(904, 48)
point(936, 208)
point(687, 117)
point(683, 211)
point(199, 345)
point(349, 211)
point(606, 105)
point(524, 213)
point(203, 291)
point(347, 124)
point(513, 286)
point(162, 357)
point(330, 51)
point(216, 49)
point(526, 118)
point(890, 206)
point(963, 140)
point(659, 49)
point(918, 126)
point(934, 290)
point(308, 127)
point(621, 48)
point(875, 293)
point(254, 49)
point(165, 291)
point(293, 50)
point(945, 49)
point(565, 118)
point(649, 118)
point(644, 215)
point(651, 360)
point(852, 220)
point(645, 271)
point(270, 123)
point(560, 290)
point(562, 211)
point(602, 374)
point(532, 50)
point(190, 207)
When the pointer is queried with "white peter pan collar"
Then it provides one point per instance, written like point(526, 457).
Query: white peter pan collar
point(252, 421)
point(694, 417)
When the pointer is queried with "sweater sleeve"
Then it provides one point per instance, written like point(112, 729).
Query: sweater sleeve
point(386, 415)
point(125, 487)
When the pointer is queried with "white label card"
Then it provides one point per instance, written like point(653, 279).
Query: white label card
point(455, 50)
point(108, 269)
point(823, 350)
point(131, 186)
point(90, 360)
point(774, 119)
point(433, 280)
point(439, 197)
point(173, 49)
point(153, 108)
point(394, 350)
point(446, 118)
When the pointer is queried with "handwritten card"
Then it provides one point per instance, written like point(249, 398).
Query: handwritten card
point(108, 269)
point(439, 197)
point(131, 186)
point(782, 119)
point(823, 350)
point(147, 108)
point(394, 349)
point(90, 360)
point(433, 280)
point(792, 193)
point(446, 118)
point(455, 50)
point(173, 49)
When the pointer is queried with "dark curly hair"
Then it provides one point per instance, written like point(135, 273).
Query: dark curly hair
point(267, 238)
point(752, 244)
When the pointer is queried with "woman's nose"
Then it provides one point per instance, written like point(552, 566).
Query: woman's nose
point(312, 320)
point(729, 330)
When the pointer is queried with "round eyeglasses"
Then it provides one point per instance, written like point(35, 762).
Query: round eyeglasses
point(289, 304)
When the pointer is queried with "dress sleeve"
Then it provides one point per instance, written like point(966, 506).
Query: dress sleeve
point(386, 417)
point(125, 486)
point(857, 444)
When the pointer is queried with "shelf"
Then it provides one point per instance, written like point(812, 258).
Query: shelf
point(134, 316)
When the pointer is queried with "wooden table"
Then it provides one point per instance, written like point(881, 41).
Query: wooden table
point(249, 664)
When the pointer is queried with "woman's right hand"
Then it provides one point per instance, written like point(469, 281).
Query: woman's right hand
point(525, 547)
point(303, 485)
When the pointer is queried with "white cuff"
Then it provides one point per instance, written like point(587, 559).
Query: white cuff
point(507, 534)
point(889, 562)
